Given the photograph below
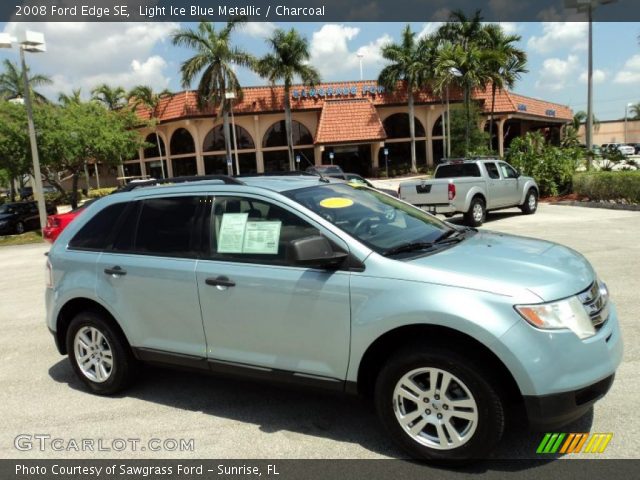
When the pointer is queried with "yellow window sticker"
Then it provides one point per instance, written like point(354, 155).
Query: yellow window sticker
point(336, 202)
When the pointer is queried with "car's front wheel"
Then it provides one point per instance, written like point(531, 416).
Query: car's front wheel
point(439, 406)
point(530, 204)
point(20, 228)
point(99, 354)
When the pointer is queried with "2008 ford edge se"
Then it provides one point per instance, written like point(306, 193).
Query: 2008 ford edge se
point(309, 280)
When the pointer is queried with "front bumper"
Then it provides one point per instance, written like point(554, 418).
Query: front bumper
point(549, 412)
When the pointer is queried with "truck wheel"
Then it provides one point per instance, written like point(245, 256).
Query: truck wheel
point(530, 204)
point(99, 354)
point(439, 406)
point(477, 213)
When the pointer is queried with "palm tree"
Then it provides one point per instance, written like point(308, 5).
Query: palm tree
point(410, 67)
point(74, 98)
point(288, 60)
point(12, 85)
point(112, 98)
point(143, 95)
point(506, 67)
point(635, 111)
point(216, 58)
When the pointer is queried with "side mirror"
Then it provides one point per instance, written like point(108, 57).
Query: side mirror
point(315, 252)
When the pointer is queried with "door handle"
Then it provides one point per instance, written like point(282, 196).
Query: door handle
point(115, 271)
point(220, 281)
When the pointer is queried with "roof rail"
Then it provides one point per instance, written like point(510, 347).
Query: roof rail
point(474, 157)
point(193, 178)
point(283, 173)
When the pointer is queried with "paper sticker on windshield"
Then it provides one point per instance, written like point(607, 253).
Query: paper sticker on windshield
point(336, 202)
point(232, 232)
point(262, 237)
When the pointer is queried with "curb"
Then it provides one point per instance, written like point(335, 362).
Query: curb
point(609, 206)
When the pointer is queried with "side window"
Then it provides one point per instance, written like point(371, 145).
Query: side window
point(508, 171)
point(162, 226)
point(247, 230)
point(492, 170)
point(95, 234)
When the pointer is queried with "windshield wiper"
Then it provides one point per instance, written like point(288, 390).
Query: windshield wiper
point(414, 246)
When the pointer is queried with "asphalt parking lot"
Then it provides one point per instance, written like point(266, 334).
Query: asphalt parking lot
point(236, 419)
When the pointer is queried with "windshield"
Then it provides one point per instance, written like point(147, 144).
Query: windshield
point(377, 220)
point(6, 209)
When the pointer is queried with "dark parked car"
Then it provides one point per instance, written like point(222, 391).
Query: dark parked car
point(18, 217)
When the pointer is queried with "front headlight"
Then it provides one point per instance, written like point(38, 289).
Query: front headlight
point(568, 313)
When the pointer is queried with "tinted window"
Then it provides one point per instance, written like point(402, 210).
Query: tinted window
point(166, 227)
point(458, 170)
point(492, 170)
point(96, 232)
point(249, 230)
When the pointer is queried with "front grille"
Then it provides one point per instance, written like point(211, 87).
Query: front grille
point(596, 304)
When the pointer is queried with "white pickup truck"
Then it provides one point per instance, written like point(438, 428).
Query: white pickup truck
point(472, 187)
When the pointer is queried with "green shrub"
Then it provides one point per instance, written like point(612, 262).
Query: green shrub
point(100, 192)
point(552, 167)
point(608, 185)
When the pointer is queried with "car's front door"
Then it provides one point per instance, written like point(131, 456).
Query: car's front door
point(260, 310)
point(511, 194)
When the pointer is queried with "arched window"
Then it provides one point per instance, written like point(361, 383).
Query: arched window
point(214, 141)
point(276, 135)
point(397, 126)
point(182, 142)
point(153, 151)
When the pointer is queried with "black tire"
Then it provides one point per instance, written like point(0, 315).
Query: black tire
point(490, 410)
point(124, 365)
point(20, 228)
point(473, 220)
point(530, 206)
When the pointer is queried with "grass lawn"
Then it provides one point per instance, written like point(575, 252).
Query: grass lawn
point(28, 237)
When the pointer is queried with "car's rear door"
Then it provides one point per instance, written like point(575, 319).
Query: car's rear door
point(262, 312)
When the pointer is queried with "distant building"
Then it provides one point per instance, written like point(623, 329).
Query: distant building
point(613, 131)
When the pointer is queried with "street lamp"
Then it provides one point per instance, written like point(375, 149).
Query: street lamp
point(231, 96)
point(588, 6)
point(626, 115)
point(30, 42)
point(360, 55)
point(455, 73)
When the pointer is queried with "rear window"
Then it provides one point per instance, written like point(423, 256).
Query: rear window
point(457, 170)
point(96, 233)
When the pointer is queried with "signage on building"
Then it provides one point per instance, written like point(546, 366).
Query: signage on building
point(346, 91)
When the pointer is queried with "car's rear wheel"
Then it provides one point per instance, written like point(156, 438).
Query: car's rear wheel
point(530, 204)
point(20, 228)
point(439, 406)
point(477, 213)
point(99, 354)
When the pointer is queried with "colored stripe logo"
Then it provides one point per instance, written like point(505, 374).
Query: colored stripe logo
point(566, 443)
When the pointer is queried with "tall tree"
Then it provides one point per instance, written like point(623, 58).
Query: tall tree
point(410, 67)
point(214, 62)
point(143, 95)
point(112, 98)
point(507, 64)
point(74, 97)
point(14, 143)
point(635, 111)
point(286, 62)
point(12, 85)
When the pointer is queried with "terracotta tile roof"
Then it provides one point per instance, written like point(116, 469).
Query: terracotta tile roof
point(344, 121)
point(268, 99)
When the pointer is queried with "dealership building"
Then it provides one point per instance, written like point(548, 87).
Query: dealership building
point(357, 125)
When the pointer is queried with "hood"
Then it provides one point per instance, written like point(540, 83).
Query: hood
point(6, 216)
point(501, 263)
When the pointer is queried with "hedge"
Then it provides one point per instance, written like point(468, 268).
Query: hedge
point(608, 185)
point(99, 192)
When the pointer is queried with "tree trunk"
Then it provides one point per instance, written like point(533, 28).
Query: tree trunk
point(412, 132)
point(160, 153)
point(467, 115)
point(73, 198)
point(493, 107)
point(12, 189)
point(227, 137)
point(288, 128)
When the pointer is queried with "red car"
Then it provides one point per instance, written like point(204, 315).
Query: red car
point(58, 222)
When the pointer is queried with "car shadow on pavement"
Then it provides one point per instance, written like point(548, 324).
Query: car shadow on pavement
point(277, 408)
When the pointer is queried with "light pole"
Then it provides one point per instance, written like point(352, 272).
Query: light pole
point(455, 73)
point(588, 6)
point(230, 96)
point(626, 115)
point(30, 42)
point(360, 55)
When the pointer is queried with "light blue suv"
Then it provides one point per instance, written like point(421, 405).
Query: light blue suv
point(313, 281)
